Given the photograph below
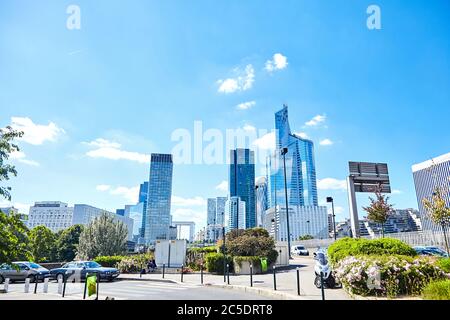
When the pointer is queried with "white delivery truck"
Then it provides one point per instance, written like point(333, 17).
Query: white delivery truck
point(171, 253)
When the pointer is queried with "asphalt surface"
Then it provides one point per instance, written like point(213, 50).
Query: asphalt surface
point(130, 290)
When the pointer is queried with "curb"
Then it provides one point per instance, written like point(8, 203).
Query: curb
point(259, 291)
point(147, 279)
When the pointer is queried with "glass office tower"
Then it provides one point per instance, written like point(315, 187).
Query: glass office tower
point(159, 198)
point(242, 182)
point(300, 167)
point(143, 196)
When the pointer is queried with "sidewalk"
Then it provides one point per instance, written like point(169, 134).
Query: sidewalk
point(262, 284)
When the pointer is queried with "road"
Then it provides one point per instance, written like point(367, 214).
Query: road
point(131, 290)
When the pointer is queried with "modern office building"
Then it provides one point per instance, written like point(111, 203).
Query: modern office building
point(158, 219)
point(84, 214)
point(303, 220)
point(235, 214)
point(215, 218)
point(136, 212)
point(242, 182)
point(262, 203)
point(143, 197)
point(55, 215)
point(428, 176)
point(300, 167)
point(211, 208)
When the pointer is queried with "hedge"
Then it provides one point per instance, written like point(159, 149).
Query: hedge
point(109, 261)
point(214, 262)
point(437, 290)
point(355, 247)
point(444, 264)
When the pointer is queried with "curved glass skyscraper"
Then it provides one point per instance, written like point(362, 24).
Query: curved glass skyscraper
point(300, 167)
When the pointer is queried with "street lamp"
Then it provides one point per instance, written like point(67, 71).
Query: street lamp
point(330, 199)
point(224, 248)
point(283, 153)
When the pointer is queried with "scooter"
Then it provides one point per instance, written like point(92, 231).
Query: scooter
point(322, 266)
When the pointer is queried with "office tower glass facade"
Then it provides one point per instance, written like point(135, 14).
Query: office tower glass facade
point(220, 210)
point(242, 181)
point(300, 167)
point(159, 198)
point(235, 215)
point(211, 217)
point(428, 176)
point(261, 200)
point(143, 197)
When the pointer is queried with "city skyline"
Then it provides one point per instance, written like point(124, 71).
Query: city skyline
point(94, 108)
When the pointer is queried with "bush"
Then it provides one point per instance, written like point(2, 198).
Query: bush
point(444, 264)
point(386, 275)
point(437, 290)
point(214, 262)
point(134, 264)
point(355, 247)
point(109, 261)
point(256, 261)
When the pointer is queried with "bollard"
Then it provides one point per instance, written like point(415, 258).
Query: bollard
point(164, 270)
point(251, 275)
point(45, 290)
point(274, 279)
point(98, 285)
point(298, 281)
point(64, 287)
point(27, 285)
point(228, 273)
point(85, 286)
point(182, 266)
point(201, 273)
point(321, 285)
point(35, 284)
point(60, 284)
point(6, 285)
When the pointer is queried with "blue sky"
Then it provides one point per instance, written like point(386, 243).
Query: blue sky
point(139, 70)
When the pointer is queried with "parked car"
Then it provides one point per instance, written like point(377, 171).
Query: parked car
point(431, 251)
point(299, 250)
point(81, 268)
point(21, 270)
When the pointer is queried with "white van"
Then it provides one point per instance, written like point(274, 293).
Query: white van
point(299, 250)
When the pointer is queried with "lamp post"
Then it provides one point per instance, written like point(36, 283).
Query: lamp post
point(224, 248)
point(283, 153)
point(330, 199)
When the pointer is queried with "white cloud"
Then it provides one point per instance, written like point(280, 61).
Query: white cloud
point(278, 62)
point(337, 210)
point(22, 207)
point(111, 150)
point(317, 120)
point(129, 194)
point(223, 186)
point(36, 134)
point(331, 184)
point(396, 191)
point(197, 216)
point(249, 127)
point(21, 157)
point(246, 105)
point(326, 142)
point(266, 142)
point(243, 81)
point(186, 202)
point(103, 187)
point(302, 135)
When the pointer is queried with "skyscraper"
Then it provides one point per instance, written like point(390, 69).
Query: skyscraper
point(242, 181)
point(157, 220)
point(143, 197)
point(300, 167)
point(235, 214)
point(211, 207)
point(428, 176)
point(261, 200)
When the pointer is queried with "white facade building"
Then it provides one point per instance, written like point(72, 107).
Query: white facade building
point(55, 215)
point(83, 214)
point(303, 220)
point(235, 214)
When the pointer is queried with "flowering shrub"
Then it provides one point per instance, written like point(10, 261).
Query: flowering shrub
point(386, 275)
point(134, 264)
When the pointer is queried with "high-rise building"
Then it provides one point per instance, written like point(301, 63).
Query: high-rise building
point(261, 200)
point(84, 214)
point(157, 220)
point(143, 197)
point(300, 167)
point(211, 207)
point(220, 210)
point(215, 218)
point(55, 215)
point(428, 176)
point(235, 214)
point(242, 182)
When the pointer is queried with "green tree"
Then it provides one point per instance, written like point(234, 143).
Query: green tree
point(67, 242)
point(306, 237)
point(379, 209)
point(13, 239)
point(103, 236)
point(43, 244)
point(439, 212)
point(7, 135)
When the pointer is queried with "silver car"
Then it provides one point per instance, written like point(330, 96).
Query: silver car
point(21, 270)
